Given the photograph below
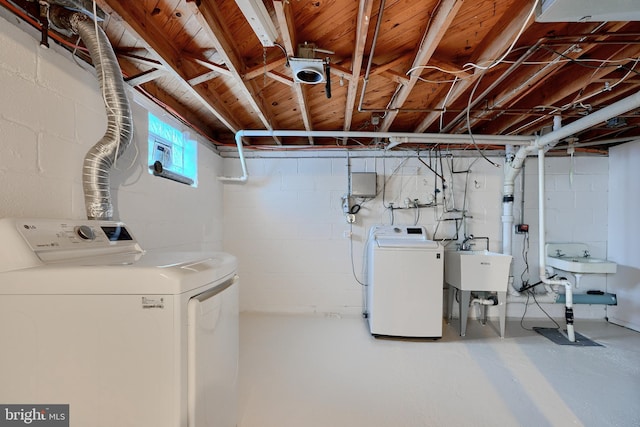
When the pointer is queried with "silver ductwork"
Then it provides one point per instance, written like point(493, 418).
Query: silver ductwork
point(101, 157)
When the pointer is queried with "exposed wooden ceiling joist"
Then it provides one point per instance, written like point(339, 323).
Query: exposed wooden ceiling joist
point(362, 29)
point(287, 29)
point(493, 47)
point(132, 18)
point(440, 22)
point(201, 61)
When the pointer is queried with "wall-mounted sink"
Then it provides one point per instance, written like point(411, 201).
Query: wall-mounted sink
point(477, 270)
point(575, 258)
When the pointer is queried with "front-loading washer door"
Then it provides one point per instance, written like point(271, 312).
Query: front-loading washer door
point(213, 335)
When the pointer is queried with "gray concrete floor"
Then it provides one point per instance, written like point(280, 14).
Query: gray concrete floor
point(308, 371)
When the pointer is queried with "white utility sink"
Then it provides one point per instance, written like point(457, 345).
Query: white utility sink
point(477, 270)
point(575, 258)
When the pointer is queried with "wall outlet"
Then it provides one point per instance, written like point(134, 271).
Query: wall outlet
point(345, 204)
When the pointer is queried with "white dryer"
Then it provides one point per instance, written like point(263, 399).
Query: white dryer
point(404, 282)
point(126, 338)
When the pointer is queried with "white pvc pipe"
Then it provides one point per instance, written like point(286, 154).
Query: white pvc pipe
point(512, 169)
point(238, 179)
point(396, 139)
point(482, 301)
point(513, 166)
point(617, 108)
point(542, 256)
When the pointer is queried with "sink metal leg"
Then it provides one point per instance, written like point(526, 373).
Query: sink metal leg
point(451, 293)
point(465, 297)
point(502, 311)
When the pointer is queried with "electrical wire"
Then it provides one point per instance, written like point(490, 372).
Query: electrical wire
point(515, 40)
point(526, 306)
point(578, 61)
point(444, 103)
point(353, 266)
point(468, 119)
point(525, 257)
point(492, 63)
point(580, 101)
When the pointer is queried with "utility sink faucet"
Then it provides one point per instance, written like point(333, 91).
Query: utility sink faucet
point(586, 253)
point(559, 253)
point(466, 246)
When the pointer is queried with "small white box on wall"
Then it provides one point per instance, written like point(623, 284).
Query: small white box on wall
point(363, 184)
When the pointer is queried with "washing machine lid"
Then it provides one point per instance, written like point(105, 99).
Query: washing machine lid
point(401, 236)
point(387, 242)
point(152, 273)
point(53, 256)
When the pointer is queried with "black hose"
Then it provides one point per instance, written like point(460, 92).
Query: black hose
point(327, 72)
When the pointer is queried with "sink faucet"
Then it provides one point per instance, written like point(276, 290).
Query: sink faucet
point(559, 253)
point(466, 246)
point(586, 254)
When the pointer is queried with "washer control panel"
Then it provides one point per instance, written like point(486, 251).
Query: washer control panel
point(75, 237)
point(416, 232)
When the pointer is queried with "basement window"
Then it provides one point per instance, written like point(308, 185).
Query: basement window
point(172, 154)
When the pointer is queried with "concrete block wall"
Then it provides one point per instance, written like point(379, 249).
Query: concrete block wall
point(576, 191)
point(51, 113)
point(287, 227)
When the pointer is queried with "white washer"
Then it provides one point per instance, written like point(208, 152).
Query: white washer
point(126, 338)
point(404, 282)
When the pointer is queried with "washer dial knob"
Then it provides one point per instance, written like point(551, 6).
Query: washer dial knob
point(85, 232)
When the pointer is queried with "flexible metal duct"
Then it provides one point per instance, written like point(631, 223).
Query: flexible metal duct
point(101, 157)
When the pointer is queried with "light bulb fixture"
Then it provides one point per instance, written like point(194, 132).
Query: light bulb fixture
point(308, 70)
point(258, 17)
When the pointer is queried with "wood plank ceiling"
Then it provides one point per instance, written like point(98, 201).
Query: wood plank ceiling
point(435, 66)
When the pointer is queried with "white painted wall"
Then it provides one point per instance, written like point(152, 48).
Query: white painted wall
point(576, 211)
point(287, 227)
point(624, 234)
point(51, 113)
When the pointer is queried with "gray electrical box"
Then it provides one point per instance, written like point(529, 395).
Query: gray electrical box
point(363, 184)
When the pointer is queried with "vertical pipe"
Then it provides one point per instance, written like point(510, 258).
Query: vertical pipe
point(541, 249)
point(507, 204)
point(507, 212)
point(243, 178)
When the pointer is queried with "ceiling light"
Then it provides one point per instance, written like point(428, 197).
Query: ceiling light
point(258, 17)
point(307, 70)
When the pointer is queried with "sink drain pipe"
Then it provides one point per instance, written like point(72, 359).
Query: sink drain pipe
point(513, 166)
